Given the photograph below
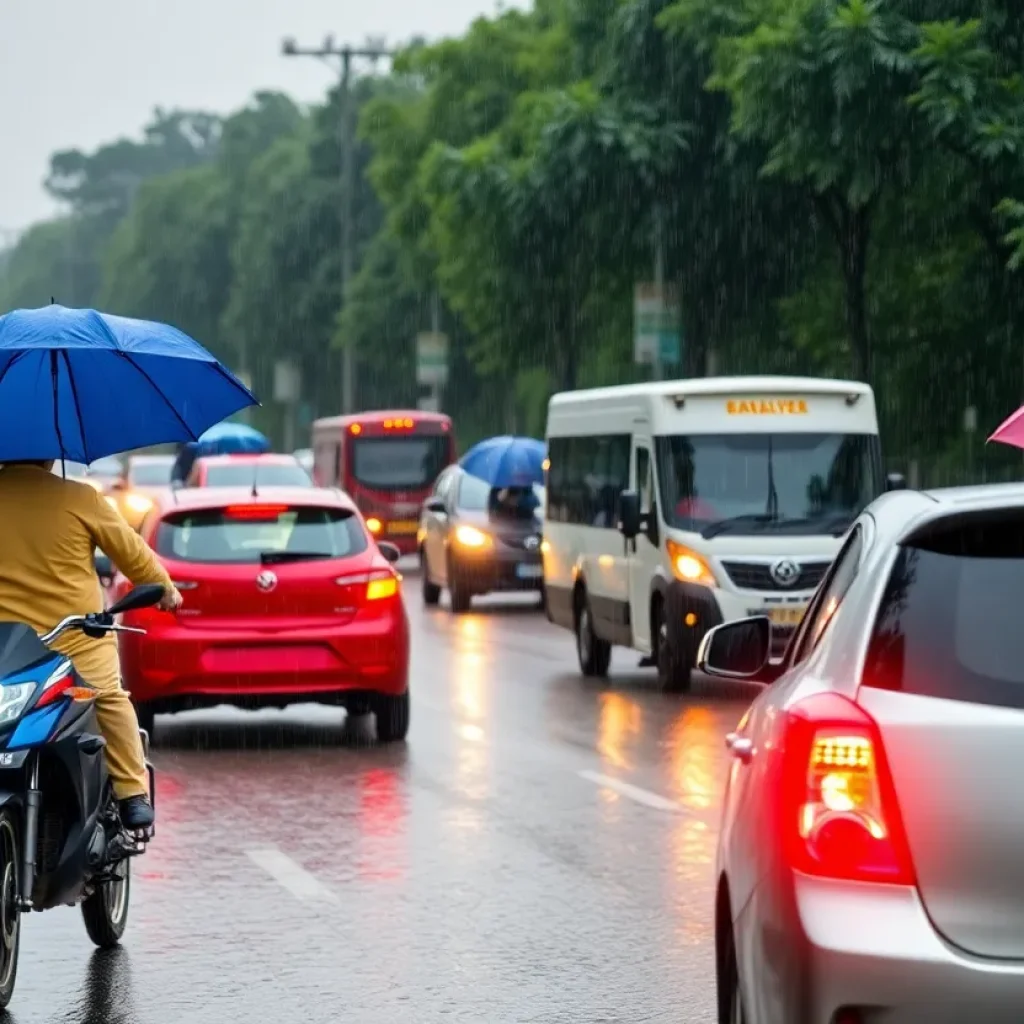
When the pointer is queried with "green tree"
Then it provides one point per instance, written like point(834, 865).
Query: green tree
point(823, 85)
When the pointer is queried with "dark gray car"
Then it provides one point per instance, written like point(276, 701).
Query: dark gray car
point(475, 539)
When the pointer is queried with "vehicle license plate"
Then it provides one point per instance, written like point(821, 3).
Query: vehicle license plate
point(403, 526)
point(788, 616)
point(529, 572)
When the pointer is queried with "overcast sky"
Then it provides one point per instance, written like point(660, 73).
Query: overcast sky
point(76, 73)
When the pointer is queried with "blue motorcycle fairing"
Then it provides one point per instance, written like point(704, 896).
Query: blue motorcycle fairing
point(37, 673)
point(37, 726)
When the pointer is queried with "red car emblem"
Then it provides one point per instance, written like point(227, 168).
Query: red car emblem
point(266, 580)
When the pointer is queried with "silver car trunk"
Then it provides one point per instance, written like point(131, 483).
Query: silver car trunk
point(944, 679)
point(958, 770)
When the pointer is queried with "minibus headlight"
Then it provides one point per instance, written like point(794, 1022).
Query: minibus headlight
point(688, 566)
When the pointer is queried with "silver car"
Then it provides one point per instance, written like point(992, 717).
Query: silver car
point(871, 857)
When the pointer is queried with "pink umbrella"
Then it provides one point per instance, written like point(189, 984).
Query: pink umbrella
point(1011, 430)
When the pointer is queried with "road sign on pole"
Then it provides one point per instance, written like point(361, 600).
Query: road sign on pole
point(287, 382)
point(657, 337)
point(432, 358)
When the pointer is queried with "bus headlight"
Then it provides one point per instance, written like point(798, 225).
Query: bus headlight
point(688, 566)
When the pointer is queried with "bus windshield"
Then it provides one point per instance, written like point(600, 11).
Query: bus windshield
point(406, 463)
point(752, 483)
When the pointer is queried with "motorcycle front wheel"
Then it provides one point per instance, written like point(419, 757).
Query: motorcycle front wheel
point(105, 912)
point(10, 915)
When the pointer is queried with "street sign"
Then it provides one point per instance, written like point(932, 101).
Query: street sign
point(287, 382)
point(656, 333)
point(432, 358)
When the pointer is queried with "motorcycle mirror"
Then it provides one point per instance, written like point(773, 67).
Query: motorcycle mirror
point(140, 597)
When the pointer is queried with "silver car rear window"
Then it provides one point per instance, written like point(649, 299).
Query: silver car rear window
point(951, 620)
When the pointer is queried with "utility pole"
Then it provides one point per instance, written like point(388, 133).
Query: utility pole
point(659, 283)
point(372, 50)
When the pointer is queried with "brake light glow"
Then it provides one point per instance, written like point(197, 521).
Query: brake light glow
point(254, 511)
point(380, 583)
point(374, 525)
point(399, 424)
point(841, 817)
point(384, 587)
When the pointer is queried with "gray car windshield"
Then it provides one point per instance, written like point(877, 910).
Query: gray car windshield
point(749, 483)
point(476, 495)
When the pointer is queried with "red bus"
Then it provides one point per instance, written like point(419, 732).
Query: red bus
point(387, 462)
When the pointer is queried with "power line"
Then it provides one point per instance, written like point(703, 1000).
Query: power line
point(373, 50)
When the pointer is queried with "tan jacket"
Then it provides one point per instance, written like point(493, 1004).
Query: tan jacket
point(49, 530)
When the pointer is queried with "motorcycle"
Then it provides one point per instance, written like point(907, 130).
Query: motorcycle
point(61, 838)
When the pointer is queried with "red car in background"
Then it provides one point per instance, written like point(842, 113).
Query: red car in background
point(287, 599)
point(268, 470)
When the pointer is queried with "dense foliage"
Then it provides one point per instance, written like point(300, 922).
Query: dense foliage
point(838, 183)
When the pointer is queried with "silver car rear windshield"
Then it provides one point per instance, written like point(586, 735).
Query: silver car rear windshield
point(950, 620)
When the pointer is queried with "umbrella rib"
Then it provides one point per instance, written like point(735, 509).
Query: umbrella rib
point(152, 383)
point(56, 407)
point(78, 405)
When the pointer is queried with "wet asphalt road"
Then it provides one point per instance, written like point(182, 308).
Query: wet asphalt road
point(539, 851)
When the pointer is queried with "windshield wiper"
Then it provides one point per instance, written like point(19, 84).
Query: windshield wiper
point(722, 525)
point(772, 505)
point(835, 524)
point(276, 557)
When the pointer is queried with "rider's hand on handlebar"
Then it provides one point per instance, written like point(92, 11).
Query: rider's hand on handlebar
point(171, 601)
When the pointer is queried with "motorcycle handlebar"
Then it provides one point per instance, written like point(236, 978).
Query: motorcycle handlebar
point(94, 624)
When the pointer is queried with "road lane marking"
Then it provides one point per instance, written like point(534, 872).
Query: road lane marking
point(641, 796)
point(293, 876)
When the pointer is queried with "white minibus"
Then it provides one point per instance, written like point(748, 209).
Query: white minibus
point(677, 505)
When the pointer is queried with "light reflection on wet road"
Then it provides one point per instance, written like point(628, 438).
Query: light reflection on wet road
point(540, 851)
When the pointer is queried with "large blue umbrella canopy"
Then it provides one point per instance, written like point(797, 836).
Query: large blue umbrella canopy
point(79, 384)
point(231, 439)
point(506, 461)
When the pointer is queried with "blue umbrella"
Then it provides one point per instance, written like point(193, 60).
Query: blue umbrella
point(78, 384)
point(506, 461)
point(231, 439)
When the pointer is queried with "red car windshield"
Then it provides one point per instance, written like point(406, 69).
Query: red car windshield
point(250, 535)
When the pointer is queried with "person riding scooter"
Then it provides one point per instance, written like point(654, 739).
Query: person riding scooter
point(51, 527)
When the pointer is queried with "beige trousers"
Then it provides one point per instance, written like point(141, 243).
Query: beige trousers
point(98, 665)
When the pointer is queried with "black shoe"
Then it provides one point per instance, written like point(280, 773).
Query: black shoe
point(136, 813)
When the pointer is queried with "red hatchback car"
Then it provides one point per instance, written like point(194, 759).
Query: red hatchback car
point(287, 599)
